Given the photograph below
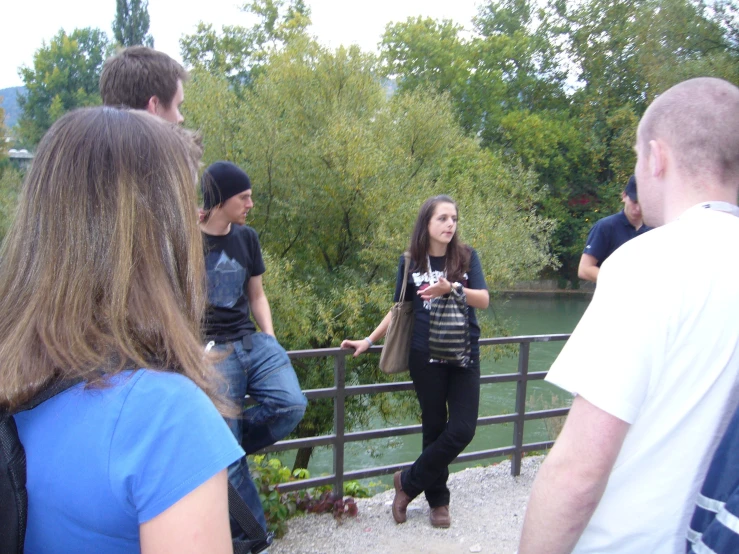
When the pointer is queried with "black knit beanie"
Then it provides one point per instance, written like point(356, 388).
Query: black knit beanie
point(221, 181)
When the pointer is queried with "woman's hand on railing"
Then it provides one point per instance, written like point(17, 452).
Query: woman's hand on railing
point(358, 346)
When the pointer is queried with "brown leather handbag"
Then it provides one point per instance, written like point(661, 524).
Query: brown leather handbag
point(397, 348)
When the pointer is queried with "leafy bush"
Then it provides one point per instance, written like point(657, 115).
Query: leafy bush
point(269, 473)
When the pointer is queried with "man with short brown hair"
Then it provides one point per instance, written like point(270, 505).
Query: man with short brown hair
point(142, 78)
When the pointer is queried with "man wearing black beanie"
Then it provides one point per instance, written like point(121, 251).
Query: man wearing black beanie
point(256, 364)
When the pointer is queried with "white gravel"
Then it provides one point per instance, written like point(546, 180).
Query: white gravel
point(487, 509)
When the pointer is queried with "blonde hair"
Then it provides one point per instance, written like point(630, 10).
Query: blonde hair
point(103, 267)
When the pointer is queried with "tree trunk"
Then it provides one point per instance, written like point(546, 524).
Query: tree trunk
point(302, 458)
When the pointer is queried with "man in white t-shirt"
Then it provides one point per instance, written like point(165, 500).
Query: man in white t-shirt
point(654, 361)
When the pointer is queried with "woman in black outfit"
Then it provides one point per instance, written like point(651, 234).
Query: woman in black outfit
point(448, 392)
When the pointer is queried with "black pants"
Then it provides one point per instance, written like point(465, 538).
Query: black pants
point(441, 389)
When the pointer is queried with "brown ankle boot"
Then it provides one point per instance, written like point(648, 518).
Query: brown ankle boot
point(401, 500)
point(440, 517)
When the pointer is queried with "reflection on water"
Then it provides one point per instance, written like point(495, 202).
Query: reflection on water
point(535, 315)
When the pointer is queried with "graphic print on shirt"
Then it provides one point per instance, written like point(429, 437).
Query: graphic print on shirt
point(225, 280)
point(426, 279)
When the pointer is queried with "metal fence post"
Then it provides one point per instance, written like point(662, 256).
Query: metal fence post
point(339, 422)
point(523, 370)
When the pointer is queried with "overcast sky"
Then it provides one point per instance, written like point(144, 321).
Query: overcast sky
point(27, 23)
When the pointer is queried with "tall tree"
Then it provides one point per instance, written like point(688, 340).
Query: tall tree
point(426, 52)
point(238, 52)
point(131, 24)
point(629, 51)
point(727, 14)
point(516, 67)
point(10, 185)
point(64, 76)
point(3, 134)
point(508, 64)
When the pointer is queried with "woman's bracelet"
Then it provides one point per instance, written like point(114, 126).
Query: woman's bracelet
point(369, 340)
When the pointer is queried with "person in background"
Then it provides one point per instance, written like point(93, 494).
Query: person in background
point(102, 279)
point(654, 361)
point(142, 78)
point(254, 363)
point(449, 393)
point(611, 232)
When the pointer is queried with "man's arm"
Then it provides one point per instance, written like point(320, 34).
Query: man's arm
point(572, 479)
point(588, 268)
point(259, 305)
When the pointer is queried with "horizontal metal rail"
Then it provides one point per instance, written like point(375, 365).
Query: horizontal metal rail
point(339, 392)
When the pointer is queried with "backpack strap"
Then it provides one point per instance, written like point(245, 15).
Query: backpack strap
point(257, 538)
point(14, 510)
point(14, 506)
point(51, 390)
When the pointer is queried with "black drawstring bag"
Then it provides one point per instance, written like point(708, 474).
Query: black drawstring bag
point(449, 329)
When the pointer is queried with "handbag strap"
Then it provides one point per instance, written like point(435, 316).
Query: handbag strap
point(407, 256)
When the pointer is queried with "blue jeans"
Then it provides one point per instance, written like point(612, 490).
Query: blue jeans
point(265, 373)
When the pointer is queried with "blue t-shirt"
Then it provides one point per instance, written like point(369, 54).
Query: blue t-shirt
point(608, 234)
point(103, 461)
point(419, 280)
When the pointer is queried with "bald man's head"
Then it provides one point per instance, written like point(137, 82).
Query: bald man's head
point(698, 120)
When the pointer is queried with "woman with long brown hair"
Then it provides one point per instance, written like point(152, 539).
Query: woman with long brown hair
point(440, 266)
point(102, 279)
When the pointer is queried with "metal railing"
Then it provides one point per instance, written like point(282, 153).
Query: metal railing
point(339, 392)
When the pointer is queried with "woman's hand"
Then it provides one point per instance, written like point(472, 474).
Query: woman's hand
point(359, 346)
point(442, 287)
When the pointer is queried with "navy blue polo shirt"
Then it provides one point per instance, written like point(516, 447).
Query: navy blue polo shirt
point(608, 234)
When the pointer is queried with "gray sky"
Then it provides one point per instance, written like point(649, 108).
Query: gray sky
point(26, 23)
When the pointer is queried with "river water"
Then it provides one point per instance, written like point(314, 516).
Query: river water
point(522, 315)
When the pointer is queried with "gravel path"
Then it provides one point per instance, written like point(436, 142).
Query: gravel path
point(487, 509)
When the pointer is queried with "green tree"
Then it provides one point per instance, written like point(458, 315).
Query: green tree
point(560, 87)
point(3, 134)
point(629, 51)
point(624, 55)
point(10, 186)
point(64, 76)
point(508, 64)
point(517, 68)
point(238, 52)
point(726, 13)
point(339, 172)
point(424, 52)
point(131, 24)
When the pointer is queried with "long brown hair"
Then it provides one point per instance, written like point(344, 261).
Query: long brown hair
point(102, 269)
point(457, 253)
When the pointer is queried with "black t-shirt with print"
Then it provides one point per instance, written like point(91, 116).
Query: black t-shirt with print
point(419, 280)
point(230, 261)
